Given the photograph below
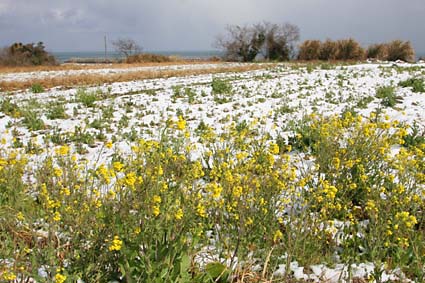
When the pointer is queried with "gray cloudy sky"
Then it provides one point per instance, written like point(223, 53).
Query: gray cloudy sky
point(79, 25)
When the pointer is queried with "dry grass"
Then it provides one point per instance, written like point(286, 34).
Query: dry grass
point(72, 81)
point(73, 66)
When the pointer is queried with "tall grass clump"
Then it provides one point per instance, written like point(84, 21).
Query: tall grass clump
point(400, 50)
point(309, 50)
point(377, 51)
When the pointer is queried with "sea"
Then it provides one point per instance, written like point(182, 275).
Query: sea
point(65, 56)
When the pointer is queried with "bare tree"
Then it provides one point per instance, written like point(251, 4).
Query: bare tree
point(241, 43)
point(279, 40)
point(126, 46)
point(274, 42)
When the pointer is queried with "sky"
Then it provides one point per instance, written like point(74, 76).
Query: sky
point(183, 25)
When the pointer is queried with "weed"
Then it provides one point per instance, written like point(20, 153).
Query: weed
point(417, 84)
point(56, 111)
point(88, 99)
point(220, 86)
point(37, 88)
point(388, 96)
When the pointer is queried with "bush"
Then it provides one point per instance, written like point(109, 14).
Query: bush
point(310, 50)
point(399, 50)
point(19, 54)
point(148, 58)
point(377, 51)
point(349, 49)
point(272, 41)
point(328, 50)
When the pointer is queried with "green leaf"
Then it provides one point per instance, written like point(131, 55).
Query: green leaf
point(217, 270)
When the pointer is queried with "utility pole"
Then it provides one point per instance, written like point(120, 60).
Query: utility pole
point(106, 58)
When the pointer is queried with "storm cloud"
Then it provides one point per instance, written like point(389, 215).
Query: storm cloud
point(80, 25)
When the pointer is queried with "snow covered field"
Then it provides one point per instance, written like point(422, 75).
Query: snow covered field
point(87, 119)
point(282, 94)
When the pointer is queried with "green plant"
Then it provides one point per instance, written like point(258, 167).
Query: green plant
point(9, 108)
point(37, 88)
point(32, 120)
point(56, 111)
point(417, 84)
point(388, 96)
point(220, 86)
point(88, 99)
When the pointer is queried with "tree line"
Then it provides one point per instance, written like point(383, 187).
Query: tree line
point(274, 42)
point(261, 41)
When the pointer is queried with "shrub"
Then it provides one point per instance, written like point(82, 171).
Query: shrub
point(328, 50)
point(310, 50)
point(377, 51)
point(19, 54)
point(399, 50)
point(272, 41)
point(349, 49)
point(148, 58)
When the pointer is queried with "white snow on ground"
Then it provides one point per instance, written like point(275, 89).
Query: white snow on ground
point(281, 94)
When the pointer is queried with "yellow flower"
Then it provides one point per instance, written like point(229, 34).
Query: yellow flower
point(108, 144)
point(277, 235)
point(336, 163)
point(63, 150)
point(156, 199)
point(274, 148)
point(60, 278)
point(179, 214)
point(116, 244)
point(20, 216)
point(156, 210)
point(200, 210)
point(118, 166)
point(130, 179)
point(58, 172)
point(181, 124)
point(8, 276)
point(57, 216)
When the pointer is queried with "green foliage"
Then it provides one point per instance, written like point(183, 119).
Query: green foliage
point(388, 96)
point(88, 99)
point(416, 137)
point(220, 86)
point(9, 108)
point(56, 111)
point(32, 119)
point(19, 54)
point(154, 214)
point(417, 84)
point(37, 88)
